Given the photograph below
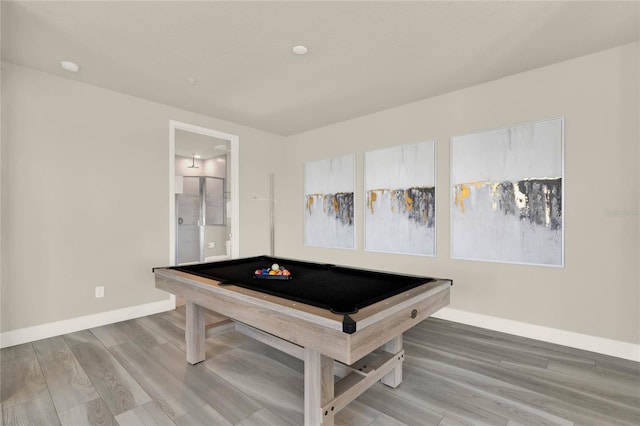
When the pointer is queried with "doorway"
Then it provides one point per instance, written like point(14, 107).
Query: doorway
point(203, 189)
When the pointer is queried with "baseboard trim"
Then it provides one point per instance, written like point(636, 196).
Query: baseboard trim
point(586, 342)
point(44, 331)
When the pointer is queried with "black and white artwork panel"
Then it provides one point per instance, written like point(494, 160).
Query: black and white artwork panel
point(329, 202)
point(507, 194)
point(400, 199)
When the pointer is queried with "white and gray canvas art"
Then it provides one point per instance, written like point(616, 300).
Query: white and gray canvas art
point(329, 202)
point(507, 195)
point(400, 199)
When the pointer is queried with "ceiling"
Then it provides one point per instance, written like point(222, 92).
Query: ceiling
point(363, 56)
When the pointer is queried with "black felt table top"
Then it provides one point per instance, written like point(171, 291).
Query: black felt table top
point(340, 289)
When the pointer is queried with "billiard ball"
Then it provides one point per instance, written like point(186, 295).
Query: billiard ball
point(275, 267)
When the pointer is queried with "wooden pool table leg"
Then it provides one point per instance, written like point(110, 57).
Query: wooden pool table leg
point(194, 333)
point(394, 378)
point(318, 388)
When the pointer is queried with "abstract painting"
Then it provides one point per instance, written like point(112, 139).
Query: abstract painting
point(400, 199)
point(507, 195)
point(329, 209)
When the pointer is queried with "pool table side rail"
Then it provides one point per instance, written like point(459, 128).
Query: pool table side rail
point(380, 310)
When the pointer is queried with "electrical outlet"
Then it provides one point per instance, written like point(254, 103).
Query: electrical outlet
point(99, 291)
point(212, 245)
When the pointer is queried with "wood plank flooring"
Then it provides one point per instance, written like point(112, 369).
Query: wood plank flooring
point(134, 373)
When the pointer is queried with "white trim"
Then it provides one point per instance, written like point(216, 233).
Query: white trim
point(600, 345)
point(586, 342)
point(31, 334)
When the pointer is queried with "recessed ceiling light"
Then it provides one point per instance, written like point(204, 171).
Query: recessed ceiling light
point(196, 155)
point(70, 66)
point(300, 50)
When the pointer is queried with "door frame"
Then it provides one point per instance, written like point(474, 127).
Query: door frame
point(234, 183)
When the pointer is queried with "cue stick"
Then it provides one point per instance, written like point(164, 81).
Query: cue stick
point(271, 216)
point(272, 202)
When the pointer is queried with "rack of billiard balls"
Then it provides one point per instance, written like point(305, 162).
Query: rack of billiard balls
point(275, 272)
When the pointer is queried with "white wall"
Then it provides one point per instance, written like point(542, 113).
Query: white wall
point(596, 293)
point(85, 196)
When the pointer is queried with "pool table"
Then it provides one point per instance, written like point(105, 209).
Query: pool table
point(342, 321)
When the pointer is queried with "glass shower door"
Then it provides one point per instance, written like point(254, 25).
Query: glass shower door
point(189, 216)
point(200, 213)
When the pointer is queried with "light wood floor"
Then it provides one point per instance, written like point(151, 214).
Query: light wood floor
point(134, 373)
